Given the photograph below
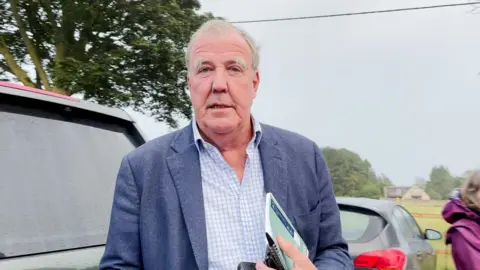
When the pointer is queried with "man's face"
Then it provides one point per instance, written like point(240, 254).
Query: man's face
point(222, 82)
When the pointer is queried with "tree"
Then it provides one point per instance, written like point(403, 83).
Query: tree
point(370, 190)
point(421, 182)
point(117, 53)
point(459, 180)
point(434, 195)
point(353, 176)
point(384, 181)
point(346, 169)
point(441, 182)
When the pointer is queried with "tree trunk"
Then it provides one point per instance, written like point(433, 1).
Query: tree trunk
point(59, 90)
point(38, 82)
point(14, 68)
point(32, 51)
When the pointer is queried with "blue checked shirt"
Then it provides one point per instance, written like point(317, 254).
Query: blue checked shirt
point(234, 210)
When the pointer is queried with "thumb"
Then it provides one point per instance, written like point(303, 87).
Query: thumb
point(289, 249)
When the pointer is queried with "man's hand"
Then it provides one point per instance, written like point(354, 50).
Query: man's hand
point(300, 261)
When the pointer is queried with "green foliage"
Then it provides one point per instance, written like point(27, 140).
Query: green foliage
point(117, 53)
point(434, 195)
point(352, 176)
point(441, 182)
point(370, 190)
point(383, 181)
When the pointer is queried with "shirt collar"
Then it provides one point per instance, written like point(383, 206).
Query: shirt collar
point(200, 142)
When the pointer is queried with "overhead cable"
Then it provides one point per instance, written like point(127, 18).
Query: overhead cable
point(357, 13)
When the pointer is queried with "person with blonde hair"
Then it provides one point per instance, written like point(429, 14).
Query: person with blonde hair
point(462, 211)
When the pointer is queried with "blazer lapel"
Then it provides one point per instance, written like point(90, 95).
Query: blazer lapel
point(274, 161)
point(184, 167)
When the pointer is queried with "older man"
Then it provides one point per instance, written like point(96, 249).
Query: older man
point(195, 198)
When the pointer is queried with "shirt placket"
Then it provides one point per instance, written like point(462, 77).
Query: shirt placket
point(246, 209)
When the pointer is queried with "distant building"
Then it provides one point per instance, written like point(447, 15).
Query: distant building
point(406, 193)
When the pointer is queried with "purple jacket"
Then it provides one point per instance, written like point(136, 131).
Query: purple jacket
point(464, 234)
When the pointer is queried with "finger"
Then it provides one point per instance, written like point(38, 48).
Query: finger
point(262, 266)
point(290, 249)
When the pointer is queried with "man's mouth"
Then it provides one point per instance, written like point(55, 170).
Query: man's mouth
point(218, 106)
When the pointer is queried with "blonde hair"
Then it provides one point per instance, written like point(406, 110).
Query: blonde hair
point(469, 191)
point(217, 26)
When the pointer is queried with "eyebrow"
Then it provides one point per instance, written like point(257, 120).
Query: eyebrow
point(237, 60)
point(199, 62)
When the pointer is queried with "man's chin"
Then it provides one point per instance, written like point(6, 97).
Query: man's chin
point(221, 126)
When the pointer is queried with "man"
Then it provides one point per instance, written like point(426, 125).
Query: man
point(195, 198)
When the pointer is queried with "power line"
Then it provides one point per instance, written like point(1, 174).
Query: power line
point(356, 13)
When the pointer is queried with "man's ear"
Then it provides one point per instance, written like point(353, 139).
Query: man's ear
point(188, 80)
point(256, 82)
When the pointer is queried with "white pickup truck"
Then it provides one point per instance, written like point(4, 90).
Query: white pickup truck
point(59, 157)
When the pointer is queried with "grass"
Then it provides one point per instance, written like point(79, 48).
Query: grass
point(444, 261)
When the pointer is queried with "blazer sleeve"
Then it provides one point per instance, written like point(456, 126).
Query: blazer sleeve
point(122, 249)
point(332, 252)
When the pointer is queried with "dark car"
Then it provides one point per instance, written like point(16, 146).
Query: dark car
point(381, 234)
point(59, 157)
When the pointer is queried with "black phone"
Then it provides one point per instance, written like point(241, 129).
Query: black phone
point(271, 259)
point(246, 266)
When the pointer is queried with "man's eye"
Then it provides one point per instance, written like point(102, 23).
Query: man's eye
point(235, 69)
point(203, 70)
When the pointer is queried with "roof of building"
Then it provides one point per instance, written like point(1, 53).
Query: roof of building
point(398, 187)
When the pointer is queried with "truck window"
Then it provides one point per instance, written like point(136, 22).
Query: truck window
point(57, 176)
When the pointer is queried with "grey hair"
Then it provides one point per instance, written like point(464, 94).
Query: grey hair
point(218, 27)
point(469, 190)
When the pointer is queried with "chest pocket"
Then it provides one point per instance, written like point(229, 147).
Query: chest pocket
point(308, 226)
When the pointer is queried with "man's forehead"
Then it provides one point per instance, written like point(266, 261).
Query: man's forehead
point(221, 44)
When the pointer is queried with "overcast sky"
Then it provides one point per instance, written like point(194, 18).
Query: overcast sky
point(401, 89)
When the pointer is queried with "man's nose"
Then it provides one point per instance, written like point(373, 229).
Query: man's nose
point(219, 82)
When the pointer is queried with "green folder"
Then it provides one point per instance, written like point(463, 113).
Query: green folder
point(277, 223)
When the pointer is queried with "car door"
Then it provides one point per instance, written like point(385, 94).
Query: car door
point(429, 258)
point(411, 236)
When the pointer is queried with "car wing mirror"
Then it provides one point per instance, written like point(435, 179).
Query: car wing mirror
point(431, 234)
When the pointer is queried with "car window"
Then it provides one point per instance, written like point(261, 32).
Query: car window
point(402, 223)
point(411, 223)
point(360, 225)
point(57, 179)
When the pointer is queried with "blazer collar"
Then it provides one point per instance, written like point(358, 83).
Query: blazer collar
point(274, 163)
point(184, 166)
